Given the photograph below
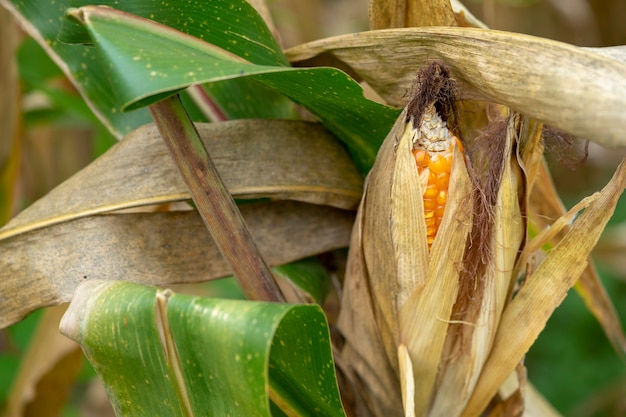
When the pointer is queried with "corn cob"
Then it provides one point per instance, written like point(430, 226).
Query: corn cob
point(433, 149)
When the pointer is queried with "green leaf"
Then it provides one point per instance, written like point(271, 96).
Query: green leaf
point(142, 76)
point(36, 68)
point(309, 275)
point(160, 353)
point(246, 98)
point(42, 20)
point(337, 100)
point(40, 75)
point(232, 24)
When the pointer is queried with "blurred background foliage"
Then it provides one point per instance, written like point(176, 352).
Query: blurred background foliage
point(48, 133)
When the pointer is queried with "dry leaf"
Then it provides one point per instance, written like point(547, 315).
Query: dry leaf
point(311, 166)
point(476, 314)
point(152, 248)
point(525, 73)
point(386, 14)
point(543, 291)
point(48, 371)
point(546, 209)
point(400, 292)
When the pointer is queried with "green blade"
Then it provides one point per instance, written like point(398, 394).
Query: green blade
point(166, 354)
point(309, 275)
point(233, 25)
point(141, 75)
point(230, 24)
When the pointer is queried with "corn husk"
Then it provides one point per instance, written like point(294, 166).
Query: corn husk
point(399, 294)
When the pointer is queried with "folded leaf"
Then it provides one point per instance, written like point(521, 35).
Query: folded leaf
point(160, 353)
point(152, 248)
point(523, 72)
point(142, 76)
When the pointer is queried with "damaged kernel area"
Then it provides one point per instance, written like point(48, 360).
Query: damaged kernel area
point(433, 149)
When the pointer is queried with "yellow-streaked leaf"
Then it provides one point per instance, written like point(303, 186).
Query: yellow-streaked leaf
point(255, 158)
point(152, 248)
point(526, 73)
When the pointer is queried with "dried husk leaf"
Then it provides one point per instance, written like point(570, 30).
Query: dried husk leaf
point(516, 389)
point(597, 300)
point(311, 167)
point(526, 315)
point(614, 52)
point(523, 72)
point(546, 208)
point(385, 14)
point(407, 381)
point(370, 341)
point(464, 17)
point(511, 395)
point(364, 362)
point(535, 405)
point(424, 317)
point(152, 248)
point(471, 335)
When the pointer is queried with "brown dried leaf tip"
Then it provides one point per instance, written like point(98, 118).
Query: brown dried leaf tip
point(433, 114)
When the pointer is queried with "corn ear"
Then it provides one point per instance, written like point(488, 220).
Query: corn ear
point(432, 307)
point(424, 317)
point(393, 295)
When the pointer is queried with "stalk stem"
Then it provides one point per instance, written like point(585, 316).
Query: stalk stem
point(213, 201)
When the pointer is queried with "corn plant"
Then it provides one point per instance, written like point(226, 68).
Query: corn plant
point(237, 157)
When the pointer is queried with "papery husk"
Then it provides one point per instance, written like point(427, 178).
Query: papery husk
point(373, 373)
point(478, 309)
point(523, 72)
point(425, 316)
point(393, 295)
point(543, 290)
point(547, 210)
point(436, 312)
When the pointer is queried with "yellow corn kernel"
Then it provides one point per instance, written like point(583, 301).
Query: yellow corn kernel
point(422, 159)
point(442, 197)
point(430, 193)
